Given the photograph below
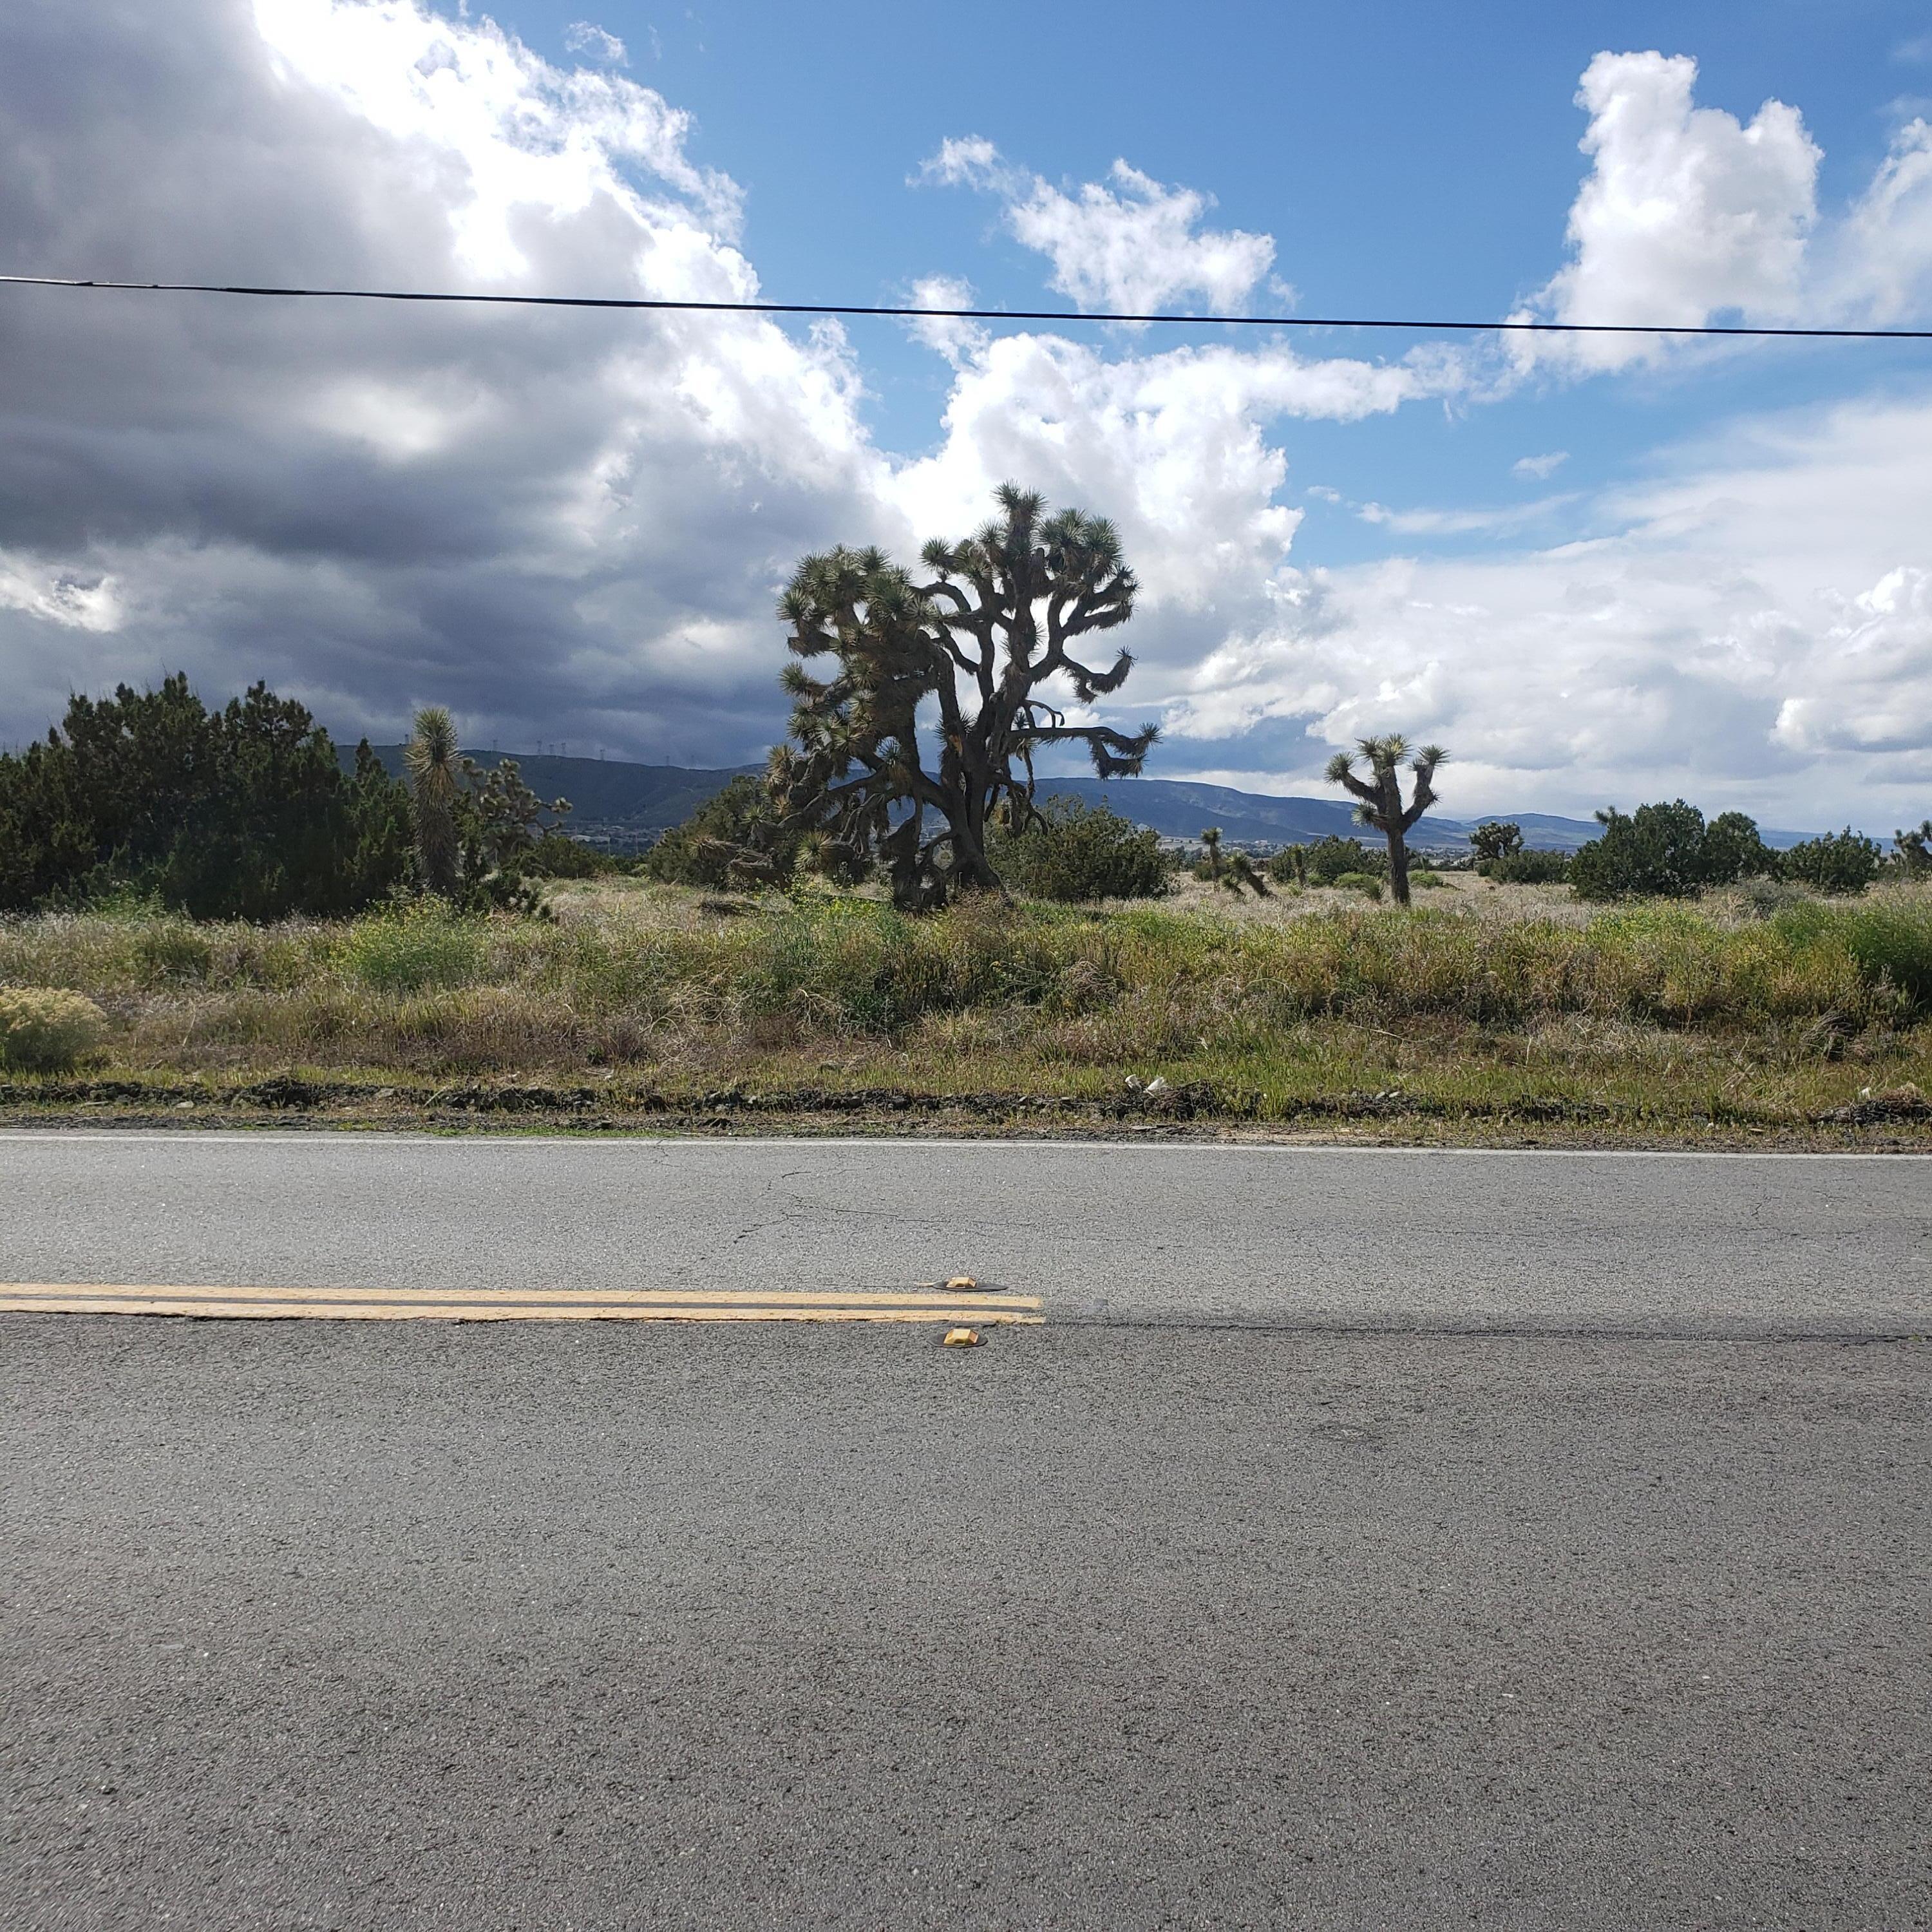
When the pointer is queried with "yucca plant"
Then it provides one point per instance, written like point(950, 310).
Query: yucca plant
point(1379, 795)
point(433, 761)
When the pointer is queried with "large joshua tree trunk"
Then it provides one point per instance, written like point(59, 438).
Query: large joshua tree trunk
point(1379, 795)
point(1398, 852)
point(985, 641)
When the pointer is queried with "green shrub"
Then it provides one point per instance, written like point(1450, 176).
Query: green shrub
point(241, 813)
point(1733, 850)
point(1892, 941)
point(555, 855)
point(1079, 853)
point(1840, 861)
point(422, 946)
point(44, 1030)
point(1366, 883)
point(1529, 868)
point(700, 851)
point(1667, 851)
point(1761, 898)
point(1326, 860)
point(172, 949)
point(1323, 861)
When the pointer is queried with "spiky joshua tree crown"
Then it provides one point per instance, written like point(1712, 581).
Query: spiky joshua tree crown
point(1378, 795)
point(978, 644)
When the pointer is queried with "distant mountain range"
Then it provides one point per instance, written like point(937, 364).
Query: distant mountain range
point(609, 792)
point(1179, 808)
point(604, 791)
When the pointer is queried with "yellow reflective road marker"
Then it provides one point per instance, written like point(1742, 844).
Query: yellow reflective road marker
point(562, 1304)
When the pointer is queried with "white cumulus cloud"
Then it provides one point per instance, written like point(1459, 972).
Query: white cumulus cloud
point(1687, 212)
point(1754, 629)
point(1174, 445)
point(1883, 270)
point(1870, 689)
point(1690, 216)
point(1127, 243)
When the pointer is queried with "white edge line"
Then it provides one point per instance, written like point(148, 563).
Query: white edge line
point(643, 1140)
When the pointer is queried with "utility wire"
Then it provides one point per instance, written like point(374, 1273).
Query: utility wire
point(645, 302)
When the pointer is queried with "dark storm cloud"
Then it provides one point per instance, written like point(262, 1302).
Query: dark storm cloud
point(564, 526)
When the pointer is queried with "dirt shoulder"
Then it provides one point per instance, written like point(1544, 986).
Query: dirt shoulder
point(1883, 1124)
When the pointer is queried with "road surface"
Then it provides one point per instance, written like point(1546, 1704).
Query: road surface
point(1589, 1589)
point(1619, 1243)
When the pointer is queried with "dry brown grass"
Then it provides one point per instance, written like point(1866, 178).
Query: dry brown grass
point(1485, 998)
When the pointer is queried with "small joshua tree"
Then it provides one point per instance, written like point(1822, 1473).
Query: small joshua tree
point(1243, 873)
point(1211, 839)
point(1496, 838)
point(984, 640)
point(1379, 795)
point(472, 829)
point(434, 763)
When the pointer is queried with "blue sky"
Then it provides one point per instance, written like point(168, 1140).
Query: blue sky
point(1600, 576)
point(1408, 159)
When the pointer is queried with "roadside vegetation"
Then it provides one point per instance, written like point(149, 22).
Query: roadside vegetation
point(207, 908)
point(1508, 1003)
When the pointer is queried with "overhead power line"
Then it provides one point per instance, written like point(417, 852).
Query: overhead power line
point(1064, 315)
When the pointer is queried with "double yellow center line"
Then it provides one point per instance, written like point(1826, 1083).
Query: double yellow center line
point(928, 1304)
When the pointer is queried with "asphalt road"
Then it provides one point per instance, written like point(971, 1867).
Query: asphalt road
point(1618, 1243)
point(1130, 1621)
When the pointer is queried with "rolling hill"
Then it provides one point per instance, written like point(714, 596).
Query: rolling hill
point(608, 793)
point(604, 791)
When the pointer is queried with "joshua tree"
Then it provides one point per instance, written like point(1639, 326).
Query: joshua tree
point(1915, 849)
point(1380, 794)
point(502, 819)
point(1211, 839)
point(996, 619)
point(1242, 871)
point(434, 764)
point(1496, 838)
point(1290, 864)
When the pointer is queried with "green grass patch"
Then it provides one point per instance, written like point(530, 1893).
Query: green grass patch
point(1646, 1009)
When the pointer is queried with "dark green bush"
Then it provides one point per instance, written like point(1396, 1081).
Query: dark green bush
point(700, 851)
point(1840, 861)
point(1529, 868)
point(243, 813)
point(1082, 853)
point(1733, 850)
point(1324, 861)
point(1667, 851)
point(556, 855)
